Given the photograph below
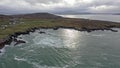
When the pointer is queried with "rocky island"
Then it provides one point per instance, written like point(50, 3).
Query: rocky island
point(13, 25)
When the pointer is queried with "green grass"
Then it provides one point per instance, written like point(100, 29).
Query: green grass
point(24, 26)
point(4, 22)
point(30, 23)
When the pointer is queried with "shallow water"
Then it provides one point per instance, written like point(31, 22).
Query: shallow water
point(64, 48)
point(114, 18)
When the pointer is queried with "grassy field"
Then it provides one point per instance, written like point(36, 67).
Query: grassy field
point(65, 22)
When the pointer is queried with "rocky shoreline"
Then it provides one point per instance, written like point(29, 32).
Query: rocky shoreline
point(13, 37)
point(48, 21)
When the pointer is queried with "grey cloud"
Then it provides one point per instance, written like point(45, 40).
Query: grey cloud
point(57, 6)
point(42, 1)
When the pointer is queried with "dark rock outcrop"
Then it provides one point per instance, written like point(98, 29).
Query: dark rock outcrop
point(18, 41)
point(5, 41)
point(12, 37)
point(41, 32)
point(2, 44)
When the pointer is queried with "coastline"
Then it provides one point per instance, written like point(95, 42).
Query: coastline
point(33, 22)
point(10, 38)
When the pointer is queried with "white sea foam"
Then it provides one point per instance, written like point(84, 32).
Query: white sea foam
point(19, 59)
point(31, 50)
point(48, 41)
point(3, 50)
point(36, 65)
point(23, 37)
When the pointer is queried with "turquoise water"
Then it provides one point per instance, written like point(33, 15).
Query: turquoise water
point(64, 48)
point(114, 18)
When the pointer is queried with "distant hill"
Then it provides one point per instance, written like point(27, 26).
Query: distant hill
point(37, 16)
point(4, 16)
point(31, 16)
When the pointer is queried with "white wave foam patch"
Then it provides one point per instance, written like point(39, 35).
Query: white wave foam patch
point(37, 65)
point(3, 50)
point(22, 37)
point(31, 50)
point(48, 40)
point(19, 59)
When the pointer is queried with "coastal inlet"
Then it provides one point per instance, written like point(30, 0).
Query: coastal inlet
point(63, 48)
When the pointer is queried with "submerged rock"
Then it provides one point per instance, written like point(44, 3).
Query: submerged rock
point(41, 32)
point(18, 41)
point(114, 30)
point(55, 28)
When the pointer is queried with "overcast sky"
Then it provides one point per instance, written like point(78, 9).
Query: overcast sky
point(57, 6)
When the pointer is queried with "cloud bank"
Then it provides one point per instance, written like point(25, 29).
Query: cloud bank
point(59, 6)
